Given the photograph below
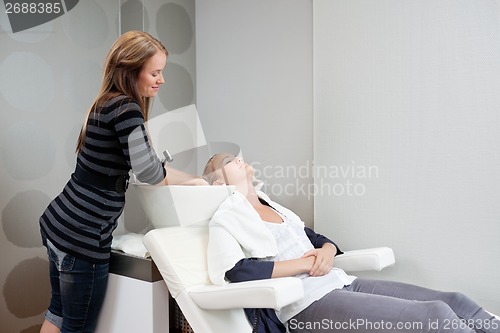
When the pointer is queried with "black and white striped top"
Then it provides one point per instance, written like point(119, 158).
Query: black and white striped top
point(81, 219)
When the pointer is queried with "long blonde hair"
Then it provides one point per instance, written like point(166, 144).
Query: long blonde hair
point(123, 64)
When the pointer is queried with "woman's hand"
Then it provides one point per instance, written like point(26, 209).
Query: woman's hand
point(196, 182)
point(323, 262)
point(177, 177)
point(293, 267)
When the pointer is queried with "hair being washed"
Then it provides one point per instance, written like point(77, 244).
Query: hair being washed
point(213, 167)
point(209, 173)
point(122, 67)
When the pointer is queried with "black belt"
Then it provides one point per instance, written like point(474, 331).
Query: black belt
point(110, 183)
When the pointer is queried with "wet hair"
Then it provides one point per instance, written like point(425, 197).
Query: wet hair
point(122, 67)
point(210, 172)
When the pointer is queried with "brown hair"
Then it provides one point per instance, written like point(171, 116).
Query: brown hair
point(209, 173)
point(214, 164)
point(123, 64)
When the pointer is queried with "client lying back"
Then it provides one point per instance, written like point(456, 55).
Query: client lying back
point(252, 237)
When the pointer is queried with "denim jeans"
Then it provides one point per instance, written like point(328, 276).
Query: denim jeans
point(78, 289)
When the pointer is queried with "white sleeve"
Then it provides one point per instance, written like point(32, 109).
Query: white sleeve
point(223, 253)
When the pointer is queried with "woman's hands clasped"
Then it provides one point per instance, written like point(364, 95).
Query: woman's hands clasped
point(323, 259)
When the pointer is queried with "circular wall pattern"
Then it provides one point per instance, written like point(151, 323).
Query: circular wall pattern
point(26, 81)
point(129, 18)
point(86, 24)
point(178, 90)
point(27, 288)
point(32, 35)
point(19, 223)
point(44, 71)
point(28, 151)
point(32, 329)
point(174, 27)
point(76, 85)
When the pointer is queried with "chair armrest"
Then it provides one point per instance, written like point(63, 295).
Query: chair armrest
point(269, 293)
point(364, 260)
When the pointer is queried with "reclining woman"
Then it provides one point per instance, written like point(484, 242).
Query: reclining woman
point(251, 237)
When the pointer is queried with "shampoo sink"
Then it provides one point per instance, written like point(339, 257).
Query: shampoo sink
point(177, 205)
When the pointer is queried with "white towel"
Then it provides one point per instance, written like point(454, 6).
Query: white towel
point(131, 244)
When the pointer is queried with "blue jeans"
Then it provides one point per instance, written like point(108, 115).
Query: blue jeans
point(78, 289)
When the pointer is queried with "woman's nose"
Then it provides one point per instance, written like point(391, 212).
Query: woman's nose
point(160, 79)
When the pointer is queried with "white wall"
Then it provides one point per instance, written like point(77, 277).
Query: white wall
point(254, 87)
point(411, 88)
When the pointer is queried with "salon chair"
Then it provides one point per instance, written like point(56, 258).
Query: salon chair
point(178, 247)
point(178, 242)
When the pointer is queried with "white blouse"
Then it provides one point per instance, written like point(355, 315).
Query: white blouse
point(293, 243)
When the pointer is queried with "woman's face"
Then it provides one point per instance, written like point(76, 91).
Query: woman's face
point(150, 76)
point(230, 169)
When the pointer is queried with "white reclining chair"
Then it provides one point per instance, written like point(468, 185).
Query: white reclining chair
point(179, 252)
point(178, 243)
point(180, 255)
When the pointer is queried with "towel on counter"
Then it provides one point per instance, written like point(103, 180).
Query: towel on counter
point(236, 232)
point(131, 244)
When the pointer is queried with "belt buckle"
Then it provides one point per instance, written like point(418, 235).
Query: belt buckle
point(122, 184)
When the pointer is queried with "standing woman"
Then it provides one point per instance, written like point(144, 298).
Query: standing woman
point(77, 225)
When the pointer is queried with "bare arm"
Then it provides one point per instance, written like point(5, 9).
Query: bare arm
point(293, 267)
point(316, 262)
point(177, 177)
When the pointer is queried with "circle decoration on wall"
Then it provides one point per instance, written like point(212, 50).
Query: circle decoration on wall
point(27, 288)
point(81, 83)
point(32, 329)
point(179, 87)
point(87, 24)
point(33, 35)
point(27, 151)
point(174, 27)
point(133, 16)
point(26, 73)
point(20, 225)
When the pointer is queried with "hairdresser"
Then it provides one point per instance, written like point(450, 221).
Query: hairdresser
point(77, 225)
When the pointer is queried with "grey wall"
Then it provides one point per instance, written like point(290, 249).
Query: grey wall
point(410, 89)
point(404, 97)
point(49, 76)
point(254, 70)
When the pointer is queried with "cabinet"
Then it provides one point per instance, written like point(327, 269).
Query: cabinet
point(137, 299)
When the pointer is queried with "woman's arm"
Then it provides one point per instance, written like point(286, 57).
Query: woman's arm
point(250, 269)
point(134, 142)
point(318, 240)
point(293, 267)
point(324, 252)
point(316, 262)
point(177, 177)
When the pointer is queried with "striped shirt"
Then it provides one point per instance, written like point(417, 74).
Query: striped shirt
point(81, 219)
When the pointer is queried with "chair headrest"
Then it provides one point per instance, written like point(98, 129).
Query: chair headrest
point(180, 255)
